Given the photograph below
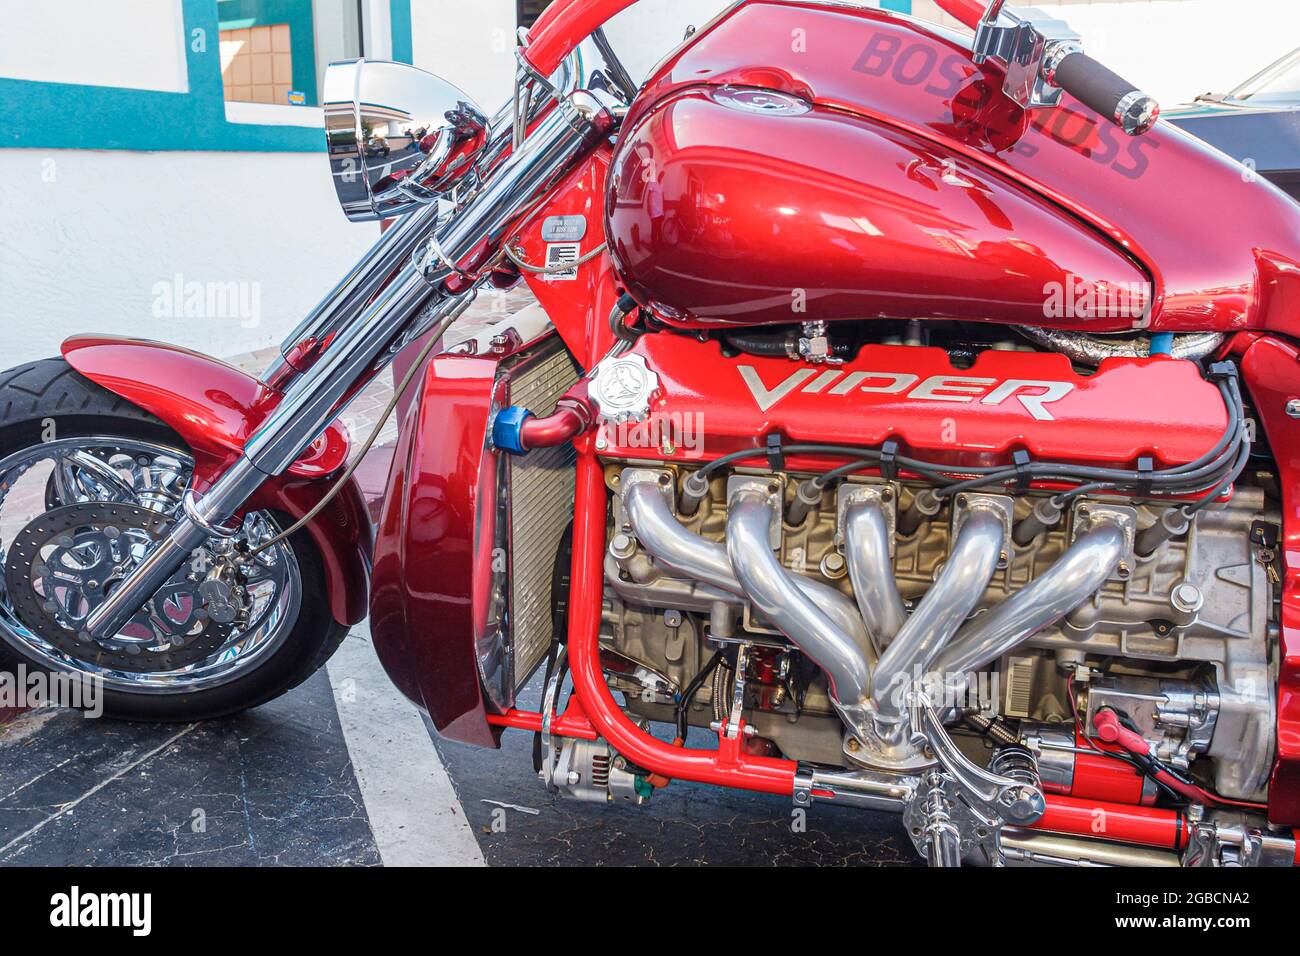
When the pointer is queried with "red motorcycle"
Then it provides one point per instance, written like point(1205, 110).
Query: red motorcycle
point(915, 417)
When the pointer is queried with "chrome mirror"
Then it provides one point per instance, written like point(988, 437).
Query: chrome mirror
point(397, 136)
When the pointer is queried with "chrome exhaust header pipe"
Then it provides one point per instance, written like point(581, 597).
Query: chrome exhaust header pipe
point(1069, 582)
point(971, 563)
point(779, 599)
point(687, 555)
point(867, 538)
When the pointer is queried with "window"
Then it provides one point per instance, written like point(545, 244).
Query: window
point(257, 64)
point(275, 51)
point(530, 10)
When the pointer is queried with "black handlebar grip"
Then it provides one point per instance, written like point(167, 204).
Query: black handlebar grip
point(1106, 92)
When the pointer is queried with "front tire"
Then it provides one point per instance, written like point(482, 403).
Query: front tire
point(51, 419)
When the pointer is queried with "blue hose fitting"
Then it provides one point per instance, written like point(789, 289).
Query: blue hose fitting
point(508, 427)
point(1162, 343)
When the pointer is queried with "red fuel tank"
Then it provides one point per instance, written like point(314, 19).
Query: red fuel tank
point(804, 161)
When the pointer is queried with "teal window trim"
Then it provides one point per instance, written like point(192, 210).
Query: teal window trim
point(898, 6)
point(400, 18)
point(39, 115)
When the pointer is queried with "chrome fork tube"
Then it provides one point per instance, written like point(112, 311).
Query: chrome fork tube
point(394, 248)
point(966, 574)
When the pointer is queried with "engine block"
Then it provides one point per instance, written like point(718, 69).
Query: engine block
point(1181, 637)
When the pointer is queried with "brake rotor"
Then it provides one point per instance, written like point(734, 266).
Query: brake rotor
point(65, 563)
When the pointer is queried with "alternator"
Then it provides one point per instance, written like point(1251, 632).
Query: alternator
point(591, 771)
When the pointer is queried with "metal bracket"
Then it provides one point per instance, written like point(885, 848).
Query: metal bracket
point(1000, 798)
point(549, 749)
point(1029, 43)
point(1088, 513)
point(661, 479)
point(738, 693)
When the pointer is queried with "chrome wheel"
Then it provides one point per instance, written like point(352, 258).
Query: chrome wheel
point(77, 514)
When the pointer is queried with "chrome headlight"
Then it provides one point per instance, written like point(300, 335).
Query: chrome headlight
point(397, 136)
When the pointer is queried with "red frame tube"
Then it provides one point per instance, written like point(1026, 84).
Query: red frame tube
point(969, 12)
point(728, 766)
point(571, 723)
point(1147, 826)
point(565, 24)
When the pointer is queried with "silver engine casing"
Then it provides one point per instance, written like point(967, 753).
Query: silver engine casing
point(1183, 641)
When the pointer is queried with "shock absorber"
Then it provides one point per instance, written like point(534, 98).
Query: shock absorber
point(1019, 764)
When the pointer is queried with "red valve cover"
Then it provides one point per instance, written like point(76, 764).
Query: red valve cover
point(710, 405)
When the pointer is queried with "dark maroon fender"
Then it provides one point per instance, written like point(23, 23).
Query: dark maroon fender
point(427, 596)
point(215, 408)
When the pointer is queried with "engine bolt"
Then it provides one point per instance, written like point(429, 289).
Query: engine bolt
point(833, 565)
point(622, 545)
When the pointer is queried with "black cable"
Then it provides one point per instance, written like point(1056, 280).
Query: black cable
point(693, 688)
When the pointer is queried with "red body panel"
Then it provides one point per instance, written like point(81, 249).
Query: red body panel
point(215, 408)
point(1271, 370)
point(1148, 195)
point(719, 215)
point(975, 416)
point(424, 603)
point(578, 308)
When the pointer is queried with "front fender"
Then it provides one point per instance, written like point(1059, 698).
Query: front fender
point(215, 408)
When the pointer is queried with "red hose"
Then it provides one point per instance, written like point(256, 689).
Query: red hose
point(551, 430)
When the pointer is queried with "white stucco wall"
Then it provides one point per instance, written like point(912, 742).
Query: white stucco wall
point(94, 240)
point(469, 44)
point(64, 42)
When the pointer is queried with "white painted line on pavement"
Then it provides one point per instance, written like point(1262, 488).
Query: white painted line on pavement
point(414, 812)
